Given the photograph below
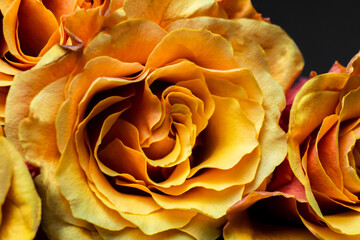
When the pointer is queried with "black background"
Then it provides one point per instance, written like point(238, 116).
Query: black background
point(324, 31)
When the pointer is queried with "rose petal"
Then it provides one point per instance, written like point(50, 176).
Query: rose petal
point(247, 166)
point(197, 199)
point(59, 7)
point(240, 9)
point(22, 207)
point(254, 50)
point(237, 136)
point(43, 113)
point(126, 42)
point(26, 14)
point(25, 87)
point(135, 233)
point(70, 176)
point(203, 227)
point(325, 232)
point(160, 220)
point(209, 50)
point(75, 22)
point(164, 12)
point(320, 92)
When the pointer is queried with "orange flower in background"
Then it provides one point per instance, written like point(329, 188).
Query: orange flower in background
point(20, 203)
point(317, 190)
point(156, 122)
point(324, 151)
point(29, 28)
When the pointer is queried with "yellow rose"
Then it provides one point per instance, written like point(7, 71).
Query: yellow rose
point(29, 29)
point(153, 128)
point(324, 151)
point(20, 204)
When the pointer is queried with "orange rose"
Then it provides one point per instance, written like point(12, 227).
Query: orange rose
point(319, 187)
point(20, 203)
point(153, 129)
point(324, 153)
point(29, 28)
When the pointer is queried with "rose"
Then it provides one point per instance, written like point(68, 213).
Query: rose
point(317, 190)
point(29, 29)
point(20, 203)
point(323, 151)
point(272, 212)
point(156, 136)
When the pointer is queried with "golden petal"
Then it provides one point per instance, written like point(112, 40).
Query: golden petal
point(202, 227)
point(218, 179)
point(208, 51)
point(240, 9)
point(70, 176)
point(59, 8)
point(322, 93)
point(28, 84)
point(136, 233)
point(227, 140)
point(91, 18)
point(254, 50)
point(20, 18)
point(160, 220)
point(39, 127)
point(164, 12)
point(126, 41)
point(198, 199)
point(324, 232)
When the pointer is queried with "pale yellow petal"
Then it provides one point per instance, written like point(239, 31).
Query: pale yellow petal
point(22, 207)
